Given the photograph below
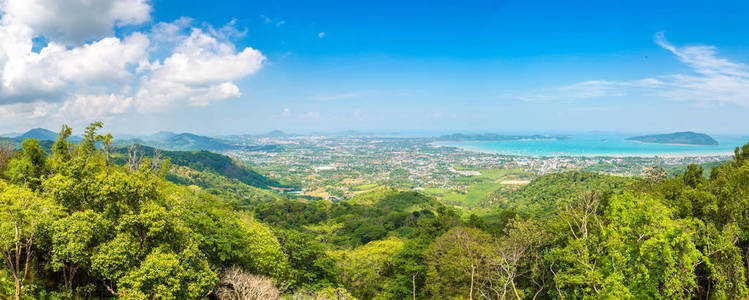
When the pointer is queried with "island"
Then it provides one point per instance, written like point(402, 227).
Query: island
point(676, 138)
point(497, 137)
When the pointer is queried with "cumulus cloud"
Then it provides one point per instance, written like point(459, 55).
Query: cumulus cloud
point(89, 107)
point(85, 71)
point(713, 79)
point(76, 21)
point(201, 59)
point(200, 70)
point(27, 76)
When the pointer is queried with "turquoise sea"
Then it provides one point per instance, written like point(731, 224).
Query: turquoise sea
point(599, 144)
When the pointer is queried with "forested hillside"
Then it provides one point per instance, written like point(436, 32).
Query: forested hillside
point(198, 160)
point(90, 221)
point(182, 142)
point(546, 193)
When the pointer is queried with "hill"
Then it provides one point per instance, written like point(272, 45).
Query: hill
point(544, 193)
point(39, 134)
point(180, 142)
point(16, 143)
point(202, 160)
point(681, 138)
point(397, 200)
point(276, 133)
point(160, 136)
point(189, 141)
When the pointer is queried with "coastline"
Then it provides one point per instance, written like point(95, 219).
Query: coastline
point(671, 144)
point(592, 155)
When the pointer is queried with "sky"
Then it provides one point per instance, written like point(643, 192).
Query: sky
point(233, 67)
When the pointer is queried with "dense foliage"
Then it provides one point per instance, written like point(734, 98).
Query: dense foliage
point(82, 222)
point(199, 160)
point(74, 224)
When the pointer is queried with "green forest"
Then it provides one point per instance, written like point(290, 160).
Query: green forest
point(89, 220)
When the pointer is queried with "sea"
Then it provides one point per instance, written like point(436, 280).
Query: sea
point(601, 144)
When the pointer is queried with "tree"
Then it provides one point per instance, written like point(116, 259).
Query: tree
point(456, 260)
point(21, 214)
point(648, 253)
point(61, 148)
point(163, 274)
point(309, 265)
point(723, 261)
point(28, 166)
point(409, 271)
point(578, 272)
point(74, 239)
point(363, 267)
point(6, 152)
point(741, 153)
point(236, 284)
point(524, 239)
point(229, 238)
point(88, 144)
point(106, 144)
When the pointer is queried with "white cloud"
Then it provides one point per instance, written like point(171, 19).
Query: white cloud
point(91, 107)
point(200, 70)
point(713, 79)
point(170, 32)
point(22, 116)
point(321, 34)
point(76, 21)
point(26, 76)
point(105, 60)
point(157, 95)
point(703, 59)
point(170, 64)
point(266, 19)
point(201, 59)
point(284, 114)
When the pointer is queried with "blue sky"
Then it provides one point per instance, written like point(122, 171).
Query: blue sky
point(504, 66)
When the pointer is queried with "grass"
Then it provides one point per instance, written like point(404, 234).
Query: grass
point(477, 188)
point(364, 187)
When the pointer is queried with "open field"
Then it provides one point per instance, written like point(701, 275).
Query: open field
point(473, 190)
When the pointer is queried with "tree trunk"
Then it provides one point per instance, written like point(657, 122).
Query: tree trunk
point(18, 289)
point(514, 289)
point(470, 293)
point(17, 267)
point(69, 275)
point(413, 283)
point(746, 257)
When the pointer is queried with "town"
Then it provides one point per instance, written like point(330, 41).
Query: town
point(340, 167)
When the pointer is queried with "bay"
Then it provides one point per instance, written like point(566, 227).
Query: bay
point(601, 144)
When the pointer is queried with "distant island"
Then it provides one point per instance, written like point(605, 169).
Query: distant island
point(492, 137)
point(676, 138)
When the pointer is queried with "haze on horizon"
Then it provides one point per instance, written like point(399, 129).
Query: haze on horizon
point(253, 66)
